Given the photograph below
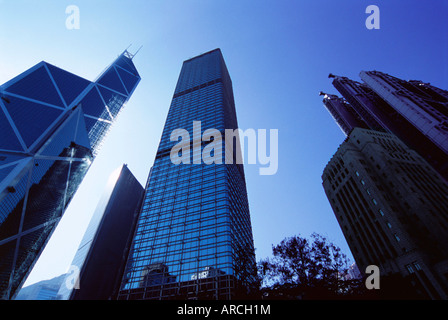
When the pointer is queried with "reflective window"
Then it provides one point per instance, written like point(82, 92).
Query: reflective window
point(31, 119)
point(111, 80)
point(185, 241)
point(93, 105)
point(37, 85)
point(70, 85)
point(9, 140)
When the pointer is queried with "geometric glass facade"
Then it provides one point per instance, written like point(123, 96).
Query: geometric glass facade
point(52, 123)
point(194, 239)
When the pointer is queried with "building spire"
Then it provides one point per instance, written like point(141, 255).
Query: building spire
point(130, 55)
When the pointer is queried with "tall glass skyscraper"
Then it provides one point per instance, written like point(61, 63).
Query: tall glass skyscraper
point(51, 125)
point(194, 239)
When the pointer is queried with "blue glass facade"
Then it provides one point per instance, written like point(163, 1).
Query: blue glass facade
point(193, 238)
point(52, 123)
point(42, 290)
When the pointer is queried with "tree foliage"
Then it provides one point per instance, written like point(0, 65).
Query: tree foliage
point(307, 268)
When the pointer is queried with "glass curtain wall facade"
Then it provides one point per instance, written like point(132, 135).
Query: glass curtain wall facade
point(52, 123)
point(194, 239)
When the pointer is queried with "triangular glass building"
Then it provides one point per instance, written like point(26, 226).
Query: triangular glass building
point(52, 123)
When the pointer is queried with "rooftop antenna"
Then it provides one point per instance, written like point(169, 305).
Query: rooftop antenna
point(137, 51)
point(130, 55)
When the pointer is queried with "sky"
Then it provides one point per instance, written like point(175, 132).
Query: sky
point(279, 54)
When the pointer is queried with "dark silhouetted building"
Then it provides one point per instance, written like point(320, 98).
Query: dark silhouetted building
point(415, 111)
point(103, 250)
point(343, 113)
point(392, 207)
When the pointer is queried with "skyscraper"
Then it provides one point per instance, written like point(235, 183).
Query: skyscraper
point(99, 259)
point(392, 207)
point(52, 123)
point(42, 290)
point(416, 112)
point(194, 239)
point(343, 113)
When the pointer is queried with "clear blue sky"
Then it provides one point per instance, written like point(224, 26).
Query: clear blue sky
point(279, 54)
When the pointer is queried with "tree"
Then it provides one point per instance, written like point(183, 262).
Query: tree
point(307, 269)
